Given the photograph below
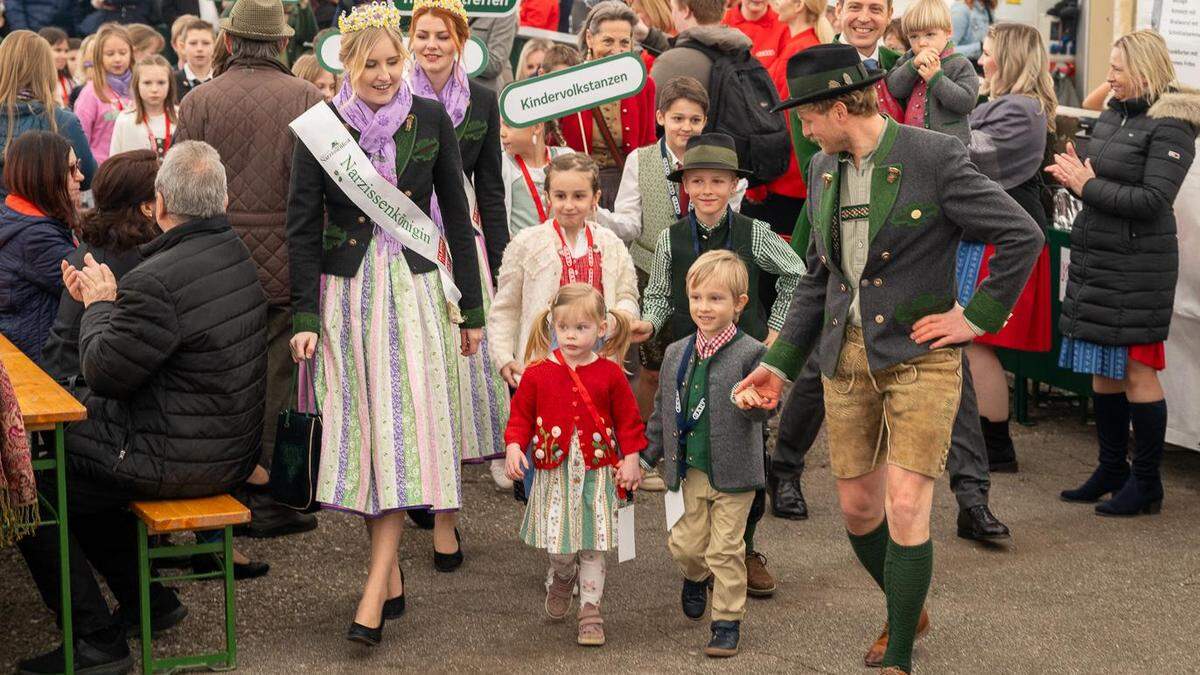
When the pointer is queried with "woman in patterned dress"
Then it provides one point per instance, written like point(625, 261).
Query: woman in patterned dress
point(439, 31)
point(388, 353)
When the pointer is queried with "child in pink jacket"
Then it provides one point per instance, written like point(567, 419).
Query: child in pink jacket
point(107, 94)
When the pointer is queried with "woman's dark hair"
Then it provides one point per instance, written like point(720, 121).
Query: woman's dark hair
point(123, 183)
point(54, 35)
point(37, 166)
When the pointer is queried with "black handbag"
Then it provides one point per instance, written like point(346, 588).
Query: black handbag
point(297, 456)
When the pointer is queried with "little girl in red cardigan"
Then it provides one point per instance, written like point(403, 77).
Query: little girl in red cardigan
point(575, 407)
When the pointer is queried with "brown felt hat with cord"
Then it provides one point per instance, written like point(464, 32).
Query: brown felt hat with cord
point(261, 20)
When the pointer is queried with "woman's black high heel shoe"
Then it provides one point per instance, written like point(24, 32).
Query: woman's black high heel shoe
point(448, 562)
point(370, 637)
point(394, 608)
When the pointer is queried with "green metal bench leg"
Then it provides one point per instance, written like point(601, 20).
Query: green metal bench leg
point(230, 614)
point(64, 551)
point(144, 598)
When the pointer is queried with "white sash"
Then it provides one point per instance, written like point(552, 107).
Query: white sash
point(393, 212)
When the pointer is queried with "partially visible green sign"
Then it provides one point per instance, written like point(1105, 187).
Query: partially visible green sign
point(475, 8)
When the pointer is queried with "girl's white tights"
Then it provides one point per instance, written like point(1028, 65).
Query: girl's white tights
point(591, 573)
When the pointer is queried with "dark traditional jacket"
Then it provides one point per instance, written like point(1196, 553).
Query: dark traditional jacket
point(926, 196)
point(174, 372)
point(479, 145)
point(1124, 252)
point(328, 234)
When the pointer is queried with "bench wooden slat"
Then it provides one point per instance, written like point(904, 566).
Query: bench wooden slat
point(177, 515)
point(43, 402)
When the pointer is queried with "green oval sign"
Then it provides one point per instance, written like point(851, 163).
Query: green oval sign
point(527, 102)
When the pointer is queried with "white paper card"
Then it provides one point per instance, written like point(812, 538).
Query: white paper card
point(674, 503)
point(626, 544)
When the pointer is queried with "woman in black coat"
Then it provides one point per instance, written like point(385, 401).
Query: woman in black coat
point(1124, 265)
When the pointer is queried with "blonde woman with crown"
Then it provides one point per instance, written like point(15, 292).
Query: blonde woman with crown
point(375, 314)
point(437, 35)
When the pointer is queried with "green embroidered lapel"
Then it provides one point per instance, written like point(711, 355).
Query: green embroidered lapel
point(405, 138)
point(885, 180)
point(471, 128)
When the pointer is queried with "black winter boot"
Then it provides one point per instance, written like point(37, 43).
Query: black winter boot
point(1112, 432)
point(1143, 491)
point(1002, 456)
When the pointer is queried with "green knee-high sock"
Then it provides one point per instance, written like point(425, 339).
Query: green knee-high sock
point(871, 549)
point(907, 573)
point(748, 537)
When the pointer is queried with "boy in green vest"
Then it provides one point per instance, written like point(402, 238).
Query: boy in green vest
point(709, 176)
point(712, 450)
point(648, 202)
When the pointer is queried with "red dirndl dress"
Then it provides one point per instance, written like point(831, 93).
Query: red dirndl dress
point(1028, 329)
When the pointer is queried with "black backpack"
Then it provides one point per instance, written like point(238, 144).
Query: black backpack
point(741, 96)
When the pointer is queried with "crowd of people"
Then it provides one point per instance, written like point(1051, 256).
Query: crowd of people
point(827, 211)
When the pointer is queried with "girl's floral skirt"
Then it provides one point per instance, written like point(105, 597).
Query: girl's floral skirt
point(571, 508)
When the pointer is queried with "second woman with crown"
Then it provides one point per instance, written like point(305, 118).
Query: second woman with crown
point(376, 314)
point(438, 35)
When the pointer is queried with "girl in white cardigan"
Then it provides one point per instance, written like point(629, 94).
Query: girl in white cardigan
point(567, 248)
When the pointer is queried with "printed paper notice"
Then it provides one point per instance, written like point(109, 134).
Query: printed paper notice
point(674, 503)
point(626, 540)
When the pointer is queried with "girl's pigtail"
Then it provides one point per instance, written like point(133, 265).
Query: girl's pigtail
point(538, 346)
point(618, 342)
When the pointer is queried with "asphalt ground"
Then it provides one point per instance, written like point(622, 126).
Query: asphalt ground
point(1070, 593)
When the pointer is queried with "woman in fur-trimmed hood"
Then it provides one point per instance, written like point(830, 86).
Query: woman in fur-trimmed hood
point(1125, 262)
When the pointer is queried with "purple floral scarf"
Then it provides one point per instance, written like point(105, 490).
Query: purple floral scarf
point(119, 84)
point(455, 97)
point(377, 129)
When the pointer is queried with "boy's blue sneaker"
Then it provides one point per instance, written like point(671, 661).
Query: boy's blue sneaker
point(694, 598)
point(725, 637)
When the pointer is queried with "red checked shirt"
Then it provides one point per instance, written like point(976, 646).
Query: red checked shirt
point(706, 347)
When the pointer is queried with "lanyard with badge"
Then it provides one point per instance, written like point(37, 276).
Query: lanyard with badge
point(166, 139)
point(533, 191)
point(685, 422)
point(672, 187)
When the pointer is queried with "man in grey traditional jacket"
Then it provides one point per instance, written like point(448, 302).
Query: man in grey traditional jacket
point(889, 205)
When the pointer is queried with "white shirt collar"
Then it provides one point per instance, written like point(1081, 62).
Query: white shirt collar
point(872, 55)
point(187, 73)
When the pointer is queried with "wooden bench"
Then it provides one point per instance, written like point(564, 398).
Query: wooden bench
point(45, 406)
point(221, 512)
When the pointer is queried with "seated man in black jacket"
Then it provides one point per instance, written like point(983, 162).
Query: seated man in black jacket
point(174, 361)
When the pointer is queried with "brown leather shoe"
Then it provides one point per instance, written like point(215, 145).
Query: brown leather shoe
point(874, 657)
point(759, 582)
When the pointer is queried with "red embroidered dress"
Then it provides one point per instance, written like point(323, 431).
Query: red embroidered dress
point(547, 409)
point(576, 267)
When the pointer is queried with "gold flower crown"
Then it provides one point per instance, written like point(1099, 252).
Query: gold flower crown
point(452, 6)
point(370, 15)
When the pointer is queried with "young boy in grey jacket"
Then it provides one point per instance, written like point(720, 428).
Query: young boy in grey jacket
point(710, 446)
point(938, 85)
